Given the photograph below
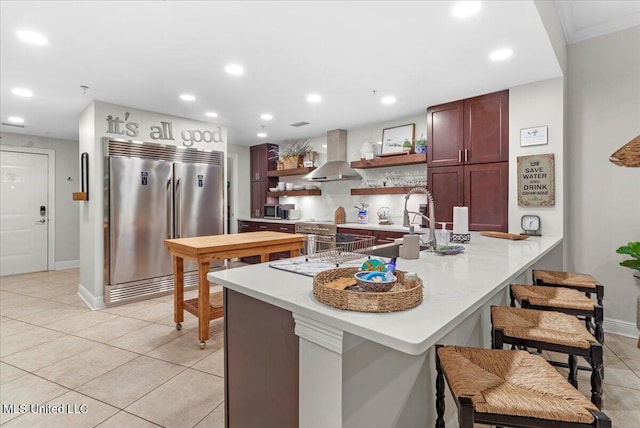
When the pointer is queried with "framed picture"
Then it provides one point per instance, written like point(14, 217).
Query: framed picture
point(533, 136)
point(398, 140)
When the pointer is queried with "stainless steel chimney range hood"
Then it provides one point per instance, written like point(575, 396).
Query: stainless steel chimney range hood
point(336, 168)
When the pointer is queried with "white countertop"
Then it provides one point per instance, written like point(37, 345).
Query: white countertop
point(369, 226)
point(454, 287)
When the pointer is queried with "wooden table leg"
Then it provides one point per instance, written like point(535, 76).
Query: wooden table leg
point(204, 308)
point(178, 290)
point(294, 253)
point(264, 257)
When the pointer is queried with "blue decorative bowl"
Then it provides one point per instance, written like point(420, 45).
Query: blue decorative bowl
point(373, 285)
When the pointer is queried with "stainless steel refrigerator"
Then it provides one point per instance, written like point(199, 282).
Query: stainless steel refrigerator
point(154, 192)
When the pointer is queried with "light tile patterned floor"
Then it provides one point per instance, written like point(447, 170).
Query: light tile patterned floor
point(128, 366)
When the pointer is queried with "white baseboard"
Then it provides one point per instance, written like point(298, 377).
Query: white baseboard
point(622, 328)
point(94, 303)
point(67, 264)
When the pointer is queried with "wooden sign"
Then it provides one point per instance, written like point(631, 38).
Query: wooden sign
point(536, 181)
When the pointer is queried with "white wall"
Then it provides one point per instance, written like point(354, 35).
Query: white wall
point(66, 210)
point(604, 199)
point(94, 126)
point(243, 183)
point(537, 104)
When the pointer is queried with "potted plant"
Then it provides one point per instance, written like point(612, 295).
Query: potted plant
point(632, 249)
point(421, 145)
point(292, 152)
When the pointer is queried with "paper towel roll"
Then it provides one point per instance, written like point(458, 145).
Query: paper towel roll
point(460, 220)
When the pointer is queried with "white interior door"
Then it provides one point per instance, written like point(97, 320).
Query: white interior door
point(24, 212)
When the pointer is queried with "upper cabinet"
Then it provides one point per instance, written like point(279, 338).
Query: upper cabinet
point(260, 162)
point(470, 131)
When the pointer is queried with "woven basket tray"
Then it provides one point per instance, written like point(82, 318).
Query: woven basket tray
point(396, 299)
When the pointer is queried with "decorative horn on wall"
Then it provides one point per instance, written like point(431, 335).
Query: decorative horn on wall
point(84, 176)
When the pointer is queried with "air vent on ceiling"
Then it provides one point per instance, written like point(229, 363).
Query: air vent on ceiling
point(12, 124)
point(299, 124)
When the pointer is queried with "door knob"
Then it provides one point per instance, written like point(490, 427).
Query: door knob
point(41, 221)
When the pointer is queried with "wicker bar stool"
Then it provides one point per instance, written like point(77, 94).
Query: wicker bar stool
point(551, 331)
point(577, 281)
point(560, 299)
point(510, 388)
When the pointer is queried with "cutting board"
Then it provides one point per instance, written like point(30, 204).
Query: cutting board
point(339, 216)
point(505, 235)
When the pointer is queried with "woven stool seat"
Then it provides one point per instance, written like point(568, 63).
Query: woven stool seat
point(545, 326)
point(513, 383)
point(565, 278)
point(553, 297)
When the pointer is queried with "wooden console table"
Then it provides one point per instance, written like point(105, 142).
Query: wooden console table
point(206, 249)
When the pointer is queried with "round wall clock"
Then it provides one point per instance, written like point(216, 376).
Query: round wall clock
point(531, 225)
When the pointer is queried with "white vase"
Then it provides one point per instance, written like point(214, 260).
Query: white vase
point(366, 148)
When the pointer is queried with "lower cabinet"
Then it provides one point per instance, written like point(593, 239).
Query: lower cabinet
point(386, 237)
point(257, 226)
point(381, 236)
point(484, 188)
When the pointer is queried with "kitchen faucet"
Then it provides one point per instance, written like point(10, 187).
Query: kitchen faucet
point(431, 244)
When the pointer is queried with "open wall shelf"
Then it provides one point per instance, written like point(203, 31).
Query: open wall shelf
point(291, 171)
point(396, 160)
point(381, 190)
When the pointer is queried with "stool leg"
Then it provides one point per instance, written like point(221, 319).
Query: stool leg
point(600, 294)
point(599, 318)
point(513, 298)
point(573, 370)
point(596, 375)
point(439, 393)
point(587, 319)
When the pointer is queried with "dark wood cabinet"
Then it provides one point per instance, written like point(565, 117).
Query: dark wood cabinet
point(484, 188)
point(354, 231)
point(260, 164)
point(387, 237)
point(257, 226)
point(470, 131)
point(260, 161)
point(258, 193)
point(468, 160)
point(445, 131)
point(446, 185)
point(486, 128)
point(486, 193)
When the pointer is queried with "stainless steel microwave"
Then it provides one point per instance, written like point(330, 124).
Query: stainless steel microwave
point(272, 211)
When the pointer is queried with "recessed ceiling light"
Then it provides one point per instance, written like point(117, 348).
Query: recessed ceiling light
point(21, 92)
point(266, 116)
point(314, 98)
point(187, 97)
point(500, 54)
point(261, 134)
point(465, 9)
point(32, 37)
point(15, 119)
point(388, 100)
point(211, 114)
point(234, 69)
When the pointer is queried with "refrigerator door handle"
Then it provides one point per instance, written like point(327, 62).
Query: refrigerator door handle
point(169, 213)
point(178, 209)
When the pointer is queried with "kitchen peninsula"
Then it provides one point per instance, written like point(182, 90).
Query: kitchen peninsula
point(352, 369)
